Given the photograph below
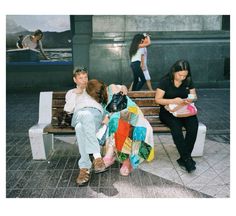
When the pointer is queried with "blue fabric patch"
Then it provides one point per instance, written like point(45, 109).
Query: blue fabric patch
point(139, 133)
point(134, 160)
point(113, 122)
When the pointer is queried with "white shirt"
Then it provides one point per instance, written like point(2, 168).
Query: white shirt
point(145, 58)
point(138, 54)
point(76, 102)
point(28, 43)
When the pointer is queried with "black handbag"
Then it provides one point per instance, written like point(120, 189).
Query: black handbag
point(64, 119)
point(117, 103)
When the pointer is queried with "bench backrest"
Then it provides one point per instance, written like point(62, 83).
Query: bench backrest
point(144, 99)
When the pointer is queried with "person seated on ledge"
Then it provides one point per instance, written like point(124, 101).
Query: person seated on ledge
point(130, 136)
point(34, 42)
point(175, 88)
point(87, 119)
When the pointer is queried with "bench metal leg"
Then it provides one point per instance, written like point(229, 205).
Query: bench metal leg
point(200, 141)
point(41, 143)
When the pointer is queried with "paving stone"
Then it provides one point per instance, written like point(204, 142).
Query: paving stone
point(48, 193)
point(64, 178)
point(14, 193)
point(70, 192)
point(81, 192)
point(59, 192)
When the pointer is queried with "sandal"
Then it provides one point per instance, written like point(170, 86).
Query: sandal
point(108, 161)
point(126, 168)
point(99, 165)
point(83, 178)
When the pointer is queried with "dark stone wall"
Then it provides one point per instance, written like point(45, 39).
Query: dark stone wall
point(207, 53)
point(38, 77)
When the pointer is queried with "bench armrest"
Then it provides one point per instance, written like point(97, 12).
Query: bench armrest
point(45, 108)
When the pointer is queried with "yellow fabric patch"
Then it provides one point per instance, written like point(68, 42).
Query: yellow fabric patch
point(133, 109)
point(151, 155)
point(127, 146)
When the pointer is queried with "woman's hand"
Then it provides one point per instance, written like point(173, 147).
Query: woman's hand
point(178, 100)
point(124, 90)
point(188, 101)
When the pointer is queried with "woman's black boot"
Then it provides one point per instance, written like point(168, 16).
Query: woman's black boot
point(180, 161)
point(189, 165)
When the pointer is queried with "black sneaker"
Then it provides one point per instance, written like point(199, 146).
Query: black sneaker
point(181, 163)
point(189, 165)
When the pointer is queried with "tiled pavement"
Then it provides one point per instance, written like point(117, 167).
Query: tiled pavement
point(160, 178)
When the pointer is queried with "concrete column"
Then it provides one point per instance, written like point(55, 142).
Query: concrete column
point(82, 27)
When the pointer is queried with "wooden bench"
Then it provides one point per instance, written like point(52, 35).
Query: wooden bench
point(51, 104)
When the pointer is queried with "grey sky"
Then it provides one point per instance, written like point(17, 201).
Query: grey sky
point(44, 22)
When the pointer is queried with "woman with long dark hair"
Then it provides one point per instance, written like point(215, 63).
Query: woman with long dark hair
point(137, 61)
point(177, 88)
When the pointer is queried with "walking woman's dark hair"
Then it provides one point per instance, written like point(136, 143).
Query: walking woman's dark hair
point(135, 43)
point(97, 90)
point(180, 65)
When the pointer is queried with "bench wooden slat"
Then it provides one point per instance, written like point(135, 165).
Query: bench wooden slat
point(141, 94)
point(58, 103)
point(147, 111)
point(59, 95)
point(153, 119)
point(58, 130)
point(145, 102)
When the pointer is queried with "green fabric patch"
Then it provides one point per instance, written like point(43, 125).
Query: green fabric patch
point(144, 150)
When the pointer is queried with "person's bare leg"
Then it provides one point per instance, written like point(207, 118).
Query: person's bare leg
point(149, 85)
point(109, 158)
point(131, 86)
point(126, 168)
point(110, 151)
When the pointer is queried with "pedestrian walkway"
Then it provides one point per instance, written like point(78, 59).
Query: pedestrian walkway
point(159, 178)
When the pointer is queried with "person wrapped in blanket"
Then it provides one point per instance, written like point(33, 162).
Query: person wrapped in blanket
point(130, 136)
